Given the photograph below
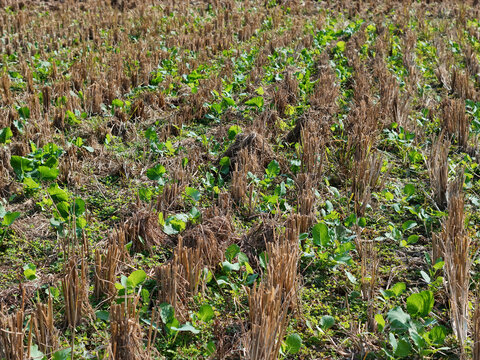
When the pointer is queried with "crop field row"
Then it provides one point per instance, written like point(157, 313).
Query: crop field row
point(227, 179)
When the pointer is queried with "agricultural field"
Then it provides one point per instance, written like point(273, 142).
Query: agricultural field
point(227, 179)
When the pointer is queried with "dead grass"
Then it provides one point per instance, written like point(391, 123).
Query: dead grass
point(476, 330)
point(125, 333)
point(106, 265)
point(211, 237)
point(47, 336)
point(369, 264)
point(257, 152)
point(438, 169)
point(455, 121)
point(258, 236)
point(144, 231)
point(281, 269)
point(12, 335)
point(268, 319)
point(180, 279)
point(75, 292)
point(456, 250)
point(365, 176)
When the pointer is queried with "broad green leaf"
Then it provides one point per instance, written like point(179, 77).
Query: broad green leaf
point(242, 258)
point(231, 252)
point(256, 101)
point(228, 266)
point(57, 194)
point(388, 195)
point(175, 224)
point(21, 165)
point(362, 222)
point(102, 315)
point(19, 124)
point(224, 165)
point(63, 354)
point(161, 220)
point(326, 322)
point(64, 209)
point(211, 348)
point(156, 172)
point(150, 134)
point(393, 341)
point(404, 348)
point(415, 156)
point(172, 325)
point(228, 100)
point(420, 304)
point(409, 190)
point(55, 223)
point(293, 342)
point(53, 291)
point(426, 277)
point(380, 321)
point(233, 131)
point(71, 118)
point(10, 217)
point(398, 288)
point(79, 207)
point(29, 274)
point(416, 338)
point(30, 270)
point(36, 354)
point(248, 268)
point(343, 259)
point(24, 112)
point(351, 277)
point(407, 225)
point(320, 235)
point(81, 222)
point(193, 193)
point(206, 313)
point(78, 141)
point(124, 281)
point(178, 222)
point(273, 168)
point(401, 348)
point(263, 259)
point(5, 135)
point(251, 278)
point(145, 296)
point(438, 265)
point(194, 213)
point(413, 239)
point(341, 46)
point(136, 278)
point(47, 173)
point(30, 184)
point(169, 229)
point(398, 318)
point(186, 327)
point(224, 161)
point(437, 335)
point(117, 103)
point(167, 313)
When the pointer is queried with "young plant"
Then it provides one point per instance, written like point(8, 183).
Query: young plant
point(414, 331)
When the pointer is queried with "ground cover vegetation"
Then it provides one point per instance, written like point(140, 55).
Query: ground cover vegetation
point(239, 179)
